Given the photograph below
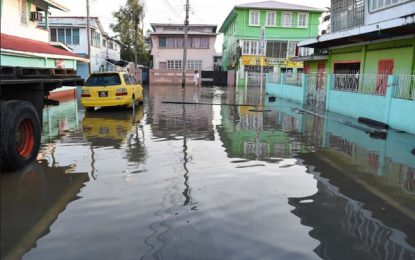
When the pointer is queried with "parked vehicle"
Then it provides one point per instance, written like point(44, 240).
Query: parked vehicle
point(110, 89)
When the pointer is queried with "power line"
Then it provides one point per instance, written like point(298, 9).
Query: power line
point(167, 3)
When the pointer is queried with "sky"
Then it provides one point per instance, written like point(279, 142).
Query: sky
point(171, 11)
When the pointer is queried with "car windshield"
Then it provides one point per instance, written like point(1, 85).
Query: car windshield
point(103, 80)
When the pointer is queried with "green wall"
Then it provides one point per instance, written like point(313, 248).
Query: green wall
point(244, 31)
point(17, 61)
point(402, 52)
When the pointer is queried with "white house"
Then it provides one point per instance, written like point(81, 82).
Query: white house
point(72, 31)
point(167, 46)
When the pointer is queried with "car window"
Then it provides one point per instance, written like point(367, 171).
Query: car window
point(103, 80)
point(127, 79)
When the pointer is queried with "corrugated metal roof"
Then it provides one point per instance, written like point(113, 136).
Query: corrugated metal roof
point(278, 6)
point(15, 43)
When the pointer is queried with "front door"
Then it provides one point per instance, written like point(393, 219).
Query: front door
point(385, 68)
point(320, 75)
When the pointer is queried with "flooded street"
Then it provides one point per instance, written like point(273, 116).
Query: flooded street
point(200, 181)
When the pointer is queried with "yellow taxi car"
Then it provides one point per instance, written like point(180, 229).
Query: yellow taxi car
point(109, 89)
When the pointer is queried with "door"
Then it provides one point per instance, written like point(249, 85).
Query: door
point(385, 68)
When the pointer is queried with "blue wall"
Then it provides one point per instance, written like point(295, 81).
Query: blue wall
point(396, 112)
point(293, 93)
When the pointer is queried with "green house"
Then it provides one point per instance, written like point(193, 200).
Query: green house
point(283, 26)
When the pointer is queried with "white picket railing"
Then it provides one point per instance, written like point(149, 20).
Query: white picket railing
point(405, 87)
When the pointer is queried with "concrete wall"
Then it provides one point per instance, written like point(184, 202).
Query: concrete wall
point(289, 92)
point(389, 13)
point(396, 112)
point(11, 21)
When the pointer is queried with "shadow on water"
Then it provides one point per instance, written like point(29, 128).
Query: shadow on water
point(31, 200)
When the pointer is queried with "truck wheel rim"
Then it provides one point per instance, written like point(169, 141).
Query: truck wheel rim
point(25, 139)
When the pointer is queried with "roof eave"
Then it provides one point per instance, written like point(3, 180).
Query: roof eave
point(231, 16)
point(56, 5)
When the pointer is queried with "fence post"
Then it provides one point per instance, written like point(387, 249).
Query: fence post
point(328, 89)
point(390, 90)
point(304, 84)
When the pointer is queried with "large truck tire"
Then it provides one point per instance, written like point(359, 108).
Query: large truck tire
point(20, 131)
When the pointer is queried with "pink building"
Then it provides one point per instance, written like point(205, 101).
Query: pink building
point(167, 46)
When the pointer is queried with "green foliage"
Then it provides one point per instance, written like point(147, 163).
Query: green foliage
point(127, 26)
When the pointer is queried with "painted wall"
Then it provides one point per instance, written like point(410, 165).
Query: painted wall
point(244, 31)
point(400, 51)
point(289, 92)
point(11, 21)
point(397, 113)
point(39, 62)
point(389, 13)
point(98, 54)
point(164, 54)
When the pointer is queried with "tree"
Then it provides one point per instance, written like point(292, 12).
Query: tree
point(127, 26)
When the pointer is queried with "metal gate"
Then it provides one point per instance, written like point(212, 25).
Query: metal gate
point(316, 89)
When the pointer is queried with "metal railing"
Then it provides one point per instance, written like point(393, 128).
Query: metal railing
point(362, 83)
point(287, 79)
point(405, 87)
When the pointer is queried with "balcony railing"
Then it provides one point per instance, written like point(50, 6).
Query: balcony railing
point(363, 83)
point(405, 87)
point(347, 14)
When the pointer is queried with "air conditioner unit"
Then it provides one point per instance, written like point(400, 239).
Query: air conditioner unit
point(36, 16)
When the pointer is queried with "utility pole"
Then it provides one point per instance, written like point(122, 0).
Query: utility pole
point(186, 24)
point(88, 32)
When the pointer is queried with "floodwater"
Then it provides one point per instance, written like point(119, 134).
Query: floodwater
point(199, 181)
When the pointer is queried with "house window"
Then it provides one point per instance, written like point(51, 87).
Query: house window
point(346, 75)
point(302, 20)
point(68, 38)
point(61, 35)
point(250, 48)
point(65, 35)
point(104, 43)
point(271, 19)
point(194, 65)
point(253, 18)
point(162, 42)
point(96, 39)
point(287, 20)
point(75, 35)
point(174, 64)
point(277, 49)
point(383, 4)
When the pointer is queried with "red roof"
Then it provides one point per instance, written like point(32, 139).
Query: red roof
point(15, 43)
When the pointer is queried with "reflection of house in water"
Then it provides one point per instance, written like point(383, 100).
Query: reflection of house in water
point(171, 120)
point(58, 120)
point(259, 135)
point(363, 219)
point(31, 200)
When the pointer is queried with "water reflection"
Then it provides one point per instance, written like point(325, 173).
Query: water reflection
point(31, 200)
point(219, 182)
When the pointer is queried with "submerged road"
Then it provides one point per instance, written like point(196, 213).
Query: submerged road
point(186, 180)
